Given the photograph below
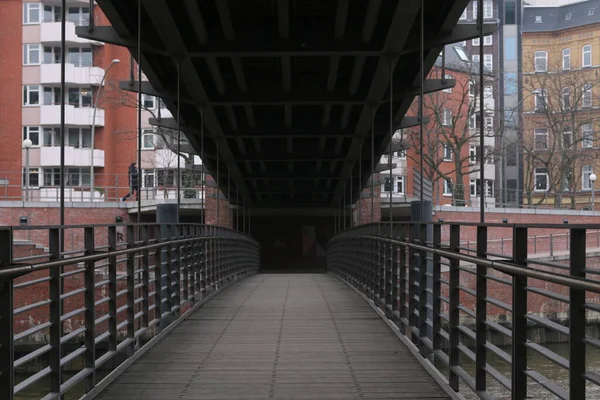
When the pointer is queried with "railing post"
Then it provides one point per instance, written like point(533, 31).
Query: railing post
point(145, 278)
point(168, 252)
point(184, 260)
point(90, 309)
point(519, 315)
point(7, 356)
point(130, 287)
point(422, 290)
point(158, 281)
point(577, 264)
point(453, 311)
point(436, 288)
point(481, 312)
point(191, 261)
point(395, 298)
point(413, 320)
point(176, 269)
point(402, 265)
point(112, 289)
point(56, 286)
point(551, 244)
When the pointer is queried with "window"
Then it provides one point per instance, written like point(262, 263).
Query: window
point(541, 180)
point(447, 187)
point(487, 40)
point(473, 121)
point(567, 139)
point(32, 54)
point(34, 177)
point(538, 19)
point(472, 154)
point(447, 117)
point(447, 153)
point(586, 95)
point(31, 95)
point(488, 10)
point(540, 139)
point(147, 178)
point(461, 53)
point(51, 137)
point(586, 172)
point(568, 16)
point(32, 133)
point(510, 83)
point(566, 59)
point(148, 101)
point(471, 88)
point(51, 96)
point(488, 61)
point(475, 58)
point(51, 176)
point(540, 100)
point(401, 154)
point(475, 187)
point(447, 77)
point(475, 10)
point(52, 13)
point(80, 97)
point(166, 177)
point(510, 48)
point(31, 13)
point(78, 15)
point(488, 153)
point(475, 42)
point(541, 61)
point(148, 139)
point(463, 16)
point(489, 124)
point(52, 55)
point(77, 177)
point(488, 92)
point(591, 11)
point(510, 12)
point(399, 184)
point(586, 56)
point(587, 136)
point(79, 138)
point(387, 186)
point(566, 98)
point(80, 56)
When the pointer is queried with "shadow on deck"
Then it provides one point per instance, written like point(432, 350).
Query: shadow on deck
point(279, 336)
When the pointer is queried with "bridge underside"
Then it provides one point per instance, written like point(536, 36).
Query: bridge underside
point(287, 92)
point(279, 337)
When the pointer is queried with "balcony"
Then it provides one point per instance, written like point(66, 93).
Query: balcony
point(50, 115)
point(84, 76)
point(74, 157)
point(50, 33)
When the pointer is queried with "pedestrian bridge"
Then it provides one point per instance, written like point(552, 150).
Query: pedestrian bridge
point(403, 311)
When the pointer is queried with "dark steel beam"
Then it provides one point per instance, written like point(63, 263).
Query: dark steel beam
point(459, 33)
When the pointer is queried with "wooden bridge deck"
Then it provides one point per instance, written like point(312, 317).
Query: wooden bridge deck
point(294, 336)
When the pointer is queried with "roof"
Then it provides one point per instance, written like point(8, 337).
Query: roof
point(556, 18)
point(459, 59)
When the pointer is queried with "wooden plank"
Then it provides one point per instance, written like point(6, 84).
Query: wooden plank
point(292, 336)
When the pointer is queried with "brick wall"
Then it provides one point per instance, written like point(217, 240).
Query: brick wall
point(364, 216)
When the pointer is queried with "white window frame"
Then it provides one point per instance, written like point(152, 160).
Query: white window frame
point(586, 171)
point(539, 132)
point(537, 173)
point(586, 49)
point(447, 189)
point(146, 173)
point(488, 9)
point(539, 100)
point(586, 96)
point(474, 9)
point(475, 58)
point(148, 133)
point(80, 137)
point(488, 40)
point(150, 99)
point(587, 136)
point(27, 130)
point(540, 56)
point(475, 42)
point(567, 144)
point(30, 48)
point(566, 59)
point(27, 91)
point(399, 185)
point(80, 172)
point(566, 98)
point(489, 124)
point(27, 9)
point(54, 134)
point(33, 172)
point(473, 121)
point(472, 154)
point(447, 77)
point(447, 117)
point(447, 152)
point(488, 61)
point(463, 16)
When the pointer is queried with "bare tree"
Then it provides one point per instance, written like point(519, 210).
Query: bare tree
point(452, 129)
point(559, 130)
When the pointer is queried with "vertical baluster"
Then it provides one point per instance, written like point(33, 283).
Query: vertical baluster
point(176, 268)
point(519, 317)
point(56, 329)
point(145, 278)
point(130, 286)
point(481, 312)
point(112, 289)
point(7, 356)
point(191, 260)
point(402, 265)
point(394, 252)
point(422, 275)
point(158, 280)
point(168, 256)
point(90, 309)
point(454, 316)
point(436, 288)
point(577, 264)
point(390, 276)
point(413, 320)
point(184, 261)
point(197, 262)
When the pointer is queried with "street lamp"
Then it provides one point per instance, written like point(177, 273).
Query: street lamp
point(27, 143)
point(592, 180)
point(93, 130)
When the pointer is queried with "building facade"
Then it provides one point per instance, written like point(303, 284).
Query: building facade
point(561, 111)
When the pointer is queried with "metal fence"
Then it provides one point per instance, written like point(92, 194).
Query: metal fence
point(470, 311)
point(67, 318)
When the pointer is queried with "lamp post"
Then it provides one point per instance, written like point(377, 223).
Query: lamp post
point(93, 130)
point(27, 143)
point(592, 180)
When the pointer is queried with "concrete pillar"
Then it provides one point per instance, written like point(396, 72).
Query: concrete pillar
point(166, 217)
point(415, 215)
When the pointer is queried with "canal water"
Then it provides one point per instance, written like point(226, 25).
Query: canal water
point(535, 391)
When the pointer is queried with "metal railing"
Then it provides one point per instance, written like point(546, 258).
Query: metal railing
point(67, 318)
point(467, 311)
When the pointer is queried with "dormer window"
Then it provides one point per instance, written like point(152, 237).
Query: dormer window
point(568, 16)
point(538, 19)
point(591, 11)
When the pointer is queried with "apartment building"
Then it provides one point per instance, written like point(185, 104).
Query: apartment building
point(100, 118)
point(561, 119)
